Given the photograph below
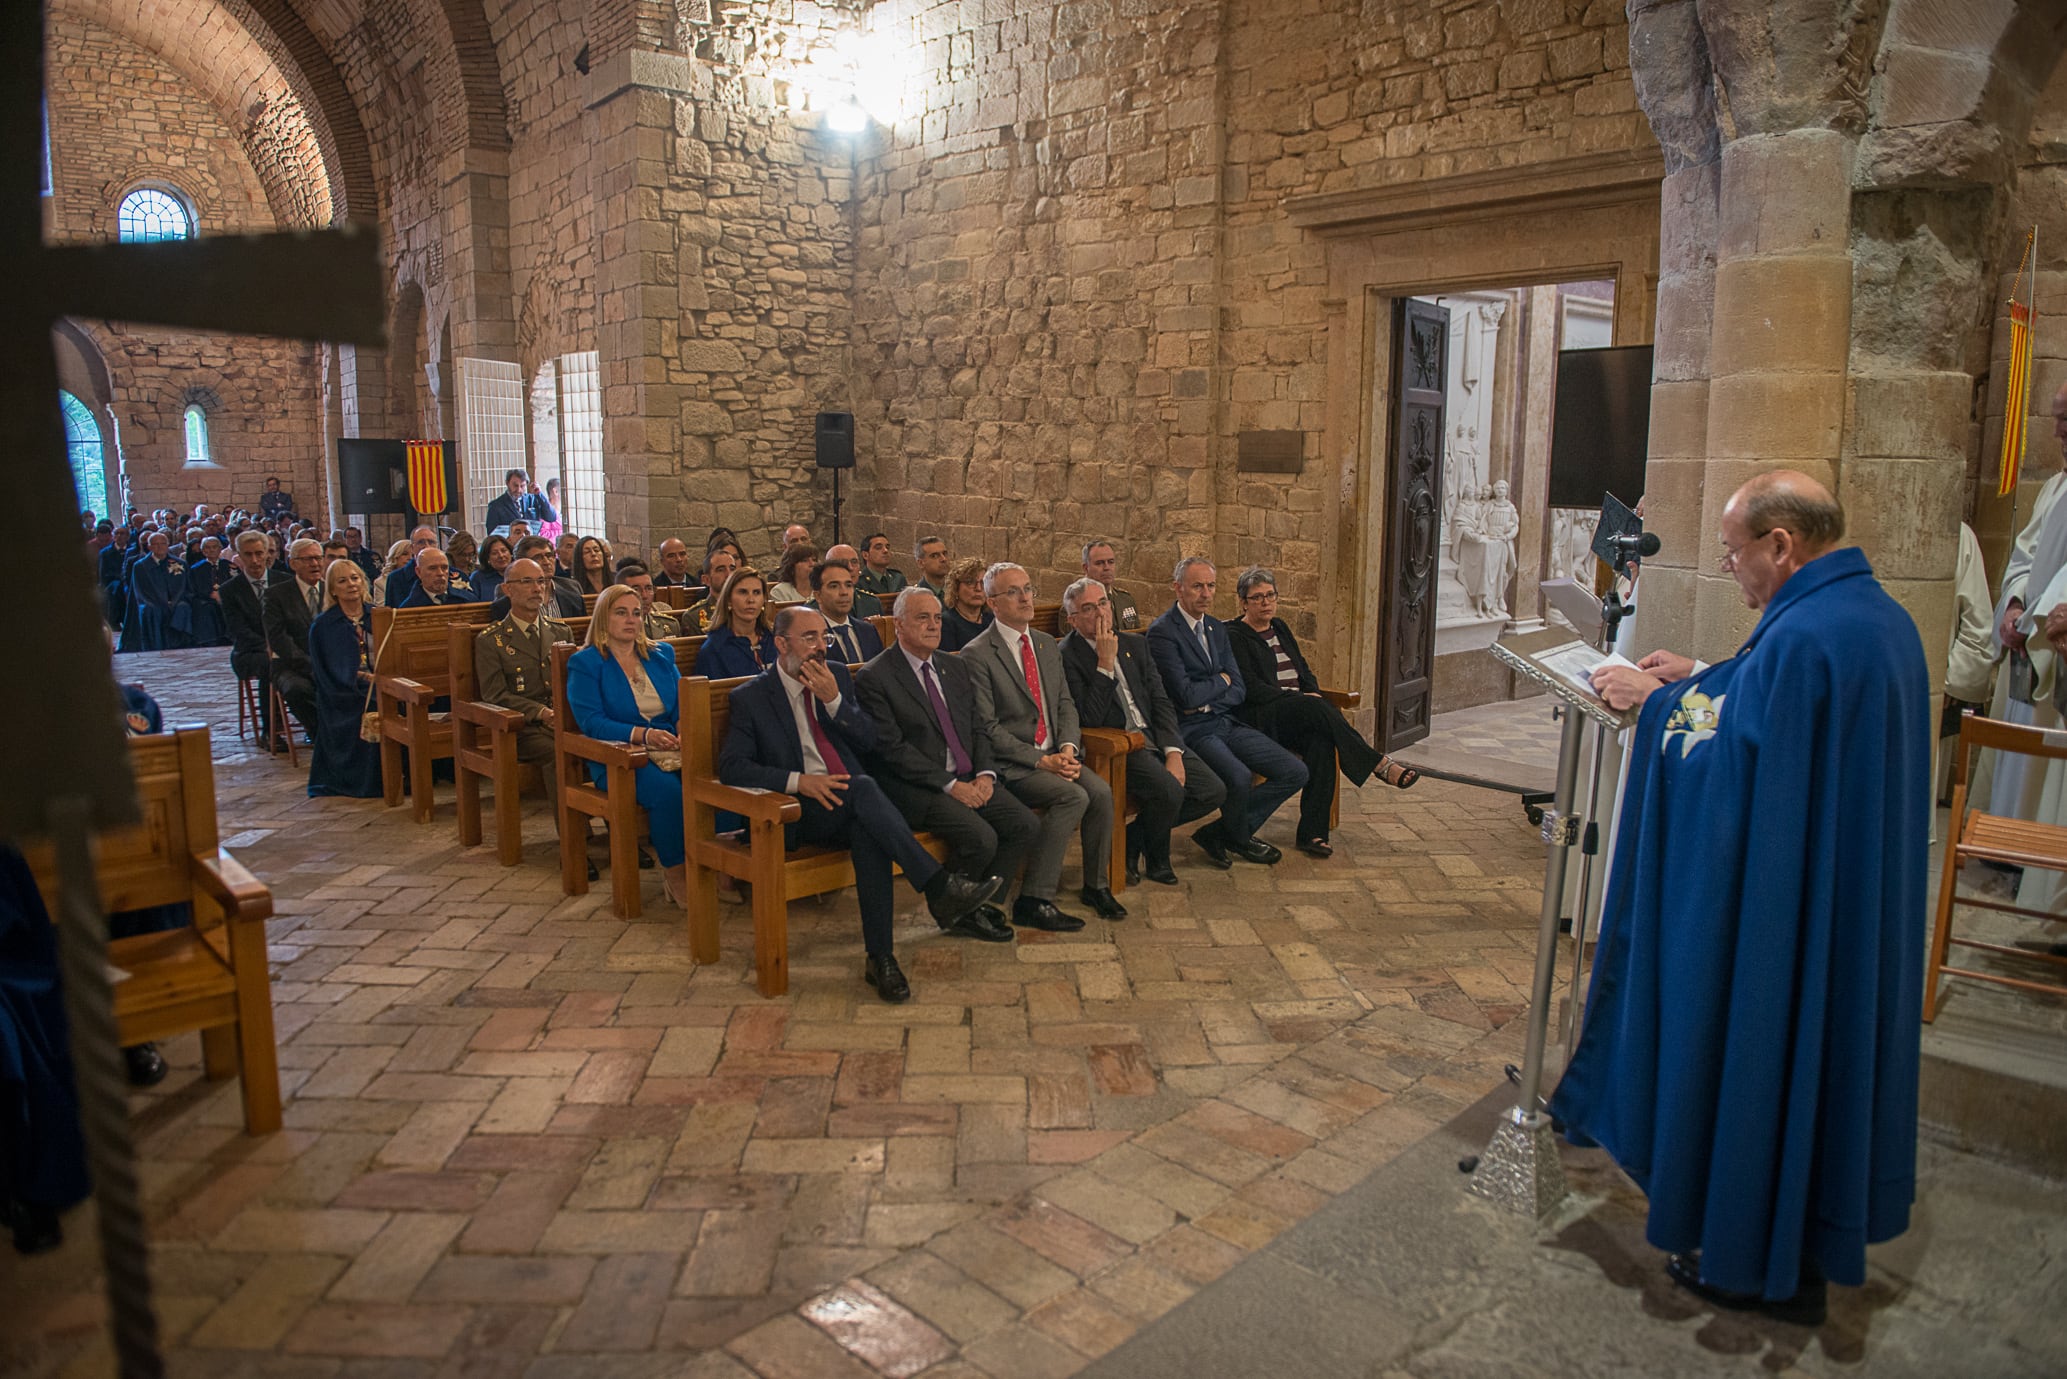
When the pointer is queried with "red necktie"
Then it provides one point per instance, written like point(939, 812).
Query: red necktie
point(1033, 687)
point(834, 766)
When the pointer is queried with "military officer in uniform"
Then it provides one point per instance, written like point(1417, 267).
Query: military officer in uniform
point(718, 564)
point(513, 662)
point(1101, 561)
point(660, 622)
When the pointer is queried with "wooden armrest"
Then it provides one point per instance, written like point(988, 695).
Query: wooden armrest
point(243, 897)
point(401, 688)
point(1342, 699)
point(621, 754)
point(1107, 744)
point(766, 805)
point(494, 717)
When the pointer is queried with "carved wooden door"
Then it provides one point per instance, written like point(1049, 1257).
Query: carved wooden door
point(1413, 523)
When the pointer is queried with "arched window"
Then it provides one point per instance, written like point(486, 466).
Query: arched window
point(83, 447)
point(197, 437)
point(150, 213)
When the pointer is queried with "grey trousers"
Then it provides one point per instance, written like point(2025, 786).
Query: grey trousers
point(1082, 806)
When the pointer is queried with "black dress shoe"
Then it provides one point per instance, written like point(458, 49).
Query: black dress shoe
point(146, 1066)
point(887, 978)
point(1257, 851)
point(1809, 1306)
point(1103, 903)
point(1133, 868)
point(1160, 873)
point(594, 875)
point(1042, 914)
point(985, 922)
point(1214, 842)
point(35, 1229)
point(950, 895)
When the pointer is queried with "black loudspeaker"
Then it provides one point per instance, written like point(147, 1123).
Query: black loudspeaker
point(372, 477)
point(836, 440)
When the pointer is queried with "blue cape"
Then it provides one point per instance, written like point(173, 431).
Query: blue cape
point(1752, 1037)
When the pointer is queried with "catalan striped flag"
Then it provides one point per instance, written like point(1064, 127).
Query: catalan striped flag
point(2016, 404)
point(427, 477)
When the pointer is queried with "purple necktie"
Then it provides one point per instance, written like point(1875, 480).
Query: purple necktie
point(955, 751)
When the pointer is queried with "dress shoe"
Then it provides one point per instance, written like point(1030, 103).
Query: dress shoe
point(1808, 1307)
point(594, 875)
point(1042, 914)
point(950, 895)
point(35, 1229)
point(985, 922)
point(145, 1065)
point(1214, 842)
point(1160, 873)
point(1103, 903)
point(1133, 868)
point(1257, 851)
point(887, 978)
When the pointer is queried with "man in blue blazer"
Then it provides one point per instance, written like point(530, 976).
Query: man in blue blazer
point(849, 638)
point(1198, 667)
point(520, 501)
point(435, 586)
point(799, 728)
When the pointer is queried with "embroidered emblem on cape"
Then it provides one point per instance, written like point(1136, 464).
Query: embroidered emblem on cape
point(1694, 720)
point(139, 725)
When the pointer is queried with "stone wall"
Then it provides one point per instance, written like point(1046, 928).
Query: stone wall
point(1076, 282)
point(120, 116)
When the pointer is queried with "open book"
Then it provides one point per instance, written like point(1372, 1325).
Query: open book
point(1568, 672)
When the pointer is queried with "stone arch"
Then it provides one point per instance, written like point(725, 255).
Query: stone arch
point(262, 68)
point(405, 372)
point(480, 74)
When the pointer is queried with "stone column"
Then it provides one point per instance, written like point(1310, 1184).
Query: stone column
point(1536, 392)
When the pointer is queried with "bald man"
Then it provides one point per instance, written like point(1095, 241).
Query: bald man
point(1751, 1048)
point(674, 565)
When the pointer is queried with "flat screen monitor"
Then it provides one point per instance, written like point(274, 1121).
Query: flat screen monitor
point(1600, 431)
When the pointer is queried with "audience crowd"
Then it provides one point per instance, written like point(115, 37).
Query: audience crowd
point(966, 721)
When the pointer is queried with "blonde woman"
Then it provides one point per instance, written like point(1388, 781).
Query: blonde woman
point(341, 655)
point(623, 688)
point(399, 555)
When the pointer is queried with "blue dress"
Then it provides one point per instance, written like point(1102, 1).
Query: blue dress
point(157, 589)
point(601, 699)
point(338, 650)
point(726, 655)
point(1752, 1039)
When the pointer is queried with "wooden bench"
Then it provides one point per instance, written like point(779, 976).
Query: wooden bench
point(484, 747)
point(210, 975)
point(679, 596)
point(412, 670)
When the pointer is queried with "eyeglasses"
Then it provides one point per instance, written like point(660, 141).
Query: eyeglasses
point(1017, 591)
point(1262, 596)
point(1728, 560)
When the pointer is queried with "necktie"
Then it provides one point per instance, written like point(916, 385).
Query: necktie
point(846, 640)
point(1033, 687)
point(956, 753)
point(834, 766)
point(315, 599)
point(1205, 645)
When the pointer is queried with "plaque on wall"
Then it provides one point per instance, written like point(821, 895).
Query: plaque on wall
point(1269, 452)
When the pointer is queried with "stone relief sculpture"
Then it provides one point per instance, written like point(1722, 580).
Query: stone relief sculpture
point(1500, 523)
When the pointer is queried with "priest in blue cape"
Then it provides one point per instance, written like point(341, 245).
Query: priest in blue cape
point(1750, 1053)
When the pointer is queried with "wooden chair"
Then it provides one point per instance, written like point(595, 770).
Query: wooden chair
point(284, 726)
point(616, 803)
point(775, 872)
point(411, 672)
point(250, 714)
point(1993, 838)
point(484, 747)
point(210, 975)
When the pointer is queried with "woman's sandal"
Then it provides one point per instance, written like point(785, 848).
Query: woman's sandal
point(1317, 847)
point(1397, 776)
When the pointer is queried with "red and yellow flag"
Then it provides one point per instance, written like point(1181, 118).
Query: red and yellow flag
point(427, 477)
point(2016, 403)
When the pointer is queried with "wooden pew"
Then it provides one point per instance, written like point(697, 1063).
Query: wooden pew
point(411, 671)
point(680, 596)
point(211, 975)
point(484, 747)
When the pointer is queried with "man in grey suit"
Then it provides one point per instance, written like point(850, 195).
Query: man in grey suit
point(1022, 687)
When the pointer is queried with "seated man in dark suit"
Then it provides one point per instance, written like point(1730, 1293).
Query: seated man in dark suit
point(244, 615)
point(1114, 680)
point(848, 635)
point(434, 583)
point(1198, 666)
point(520, 501)
point(866, 604)
point(291, 605)
point(402, 582)
point(674, 564)
point(933, 757)
point(798, 728)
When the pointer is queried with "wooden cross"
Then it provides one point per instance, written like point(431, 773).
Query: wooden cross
point(61, 730)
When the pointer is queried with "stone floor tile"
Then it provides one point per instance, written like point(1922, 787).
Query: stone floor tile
point(516, 1216)
point(1083, 1322)
point(257, 1315)
point(944, 1295)
point(734, 1255)
point(274, 1230)
point(1023, 1351)
point(788, 1347)
point(1001, 1264)
point(376, 1329)
point(497, 1279)
point(396, 1260)
point(622, 1306)
point(878, 1330)
point(1125, 1213)
point(1062, 1237)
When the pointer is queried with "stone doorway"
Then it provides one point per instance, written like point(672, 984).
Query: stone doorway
point(1500, 537)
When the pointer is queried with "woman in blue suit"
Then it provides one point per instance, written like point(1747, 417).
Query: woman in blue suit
point(742, 638)
point(624, 688)
point(341, 654)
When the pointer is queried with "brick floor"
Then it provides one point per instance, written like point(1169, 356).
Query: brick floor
point(517, 1126)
